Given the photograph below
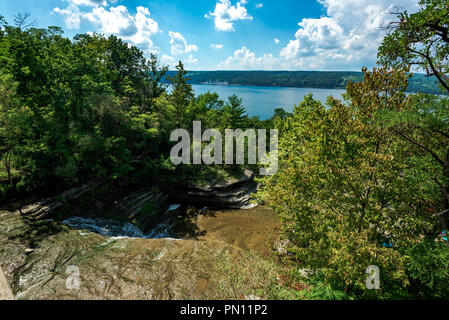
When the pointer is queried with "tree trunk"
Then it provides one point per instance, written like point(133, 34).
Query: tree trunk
point(444, 189)
point(7, 162)
point(445, 216)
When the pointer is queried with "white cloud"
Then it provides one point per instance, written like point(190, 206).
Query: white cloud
point(171, 62)
point(259, 5)
point(244, 59)
point(116, 20)
point(135, 29)
point(217, 46)
point(168, 60)
point(92, 3)
point(179, 44)
point(191, 60)
point(225, 14)
point(347, 37)
point(71, 14)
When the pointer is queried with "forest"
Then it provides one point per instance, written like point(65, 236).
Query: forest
point(64, 102)
point(362, 181)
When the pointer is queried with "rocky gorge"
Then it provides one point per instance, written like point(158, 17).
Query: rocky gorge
point(142, 245)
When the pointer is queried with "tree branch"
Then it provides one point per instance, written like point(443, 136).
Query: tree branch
point(442, 31)
point(433, 154)
point(429, 60)
point(442, 188)
point(444, 134)
point(440, 214)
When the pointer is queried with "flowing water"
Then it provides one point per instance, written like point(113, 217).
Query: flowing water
point(120, 229)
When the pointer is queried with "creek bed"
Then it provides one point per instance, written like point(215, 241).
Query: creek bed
point(121, 229)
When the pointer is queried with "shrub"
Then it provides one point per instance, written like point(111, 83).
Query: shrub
point(428, 269)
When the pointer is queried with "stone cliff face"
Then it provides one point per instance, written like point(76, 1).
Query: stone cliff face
point(45, 207)
point(230, 193)
point(5, 290)
point(144, 208)
point(148, 207)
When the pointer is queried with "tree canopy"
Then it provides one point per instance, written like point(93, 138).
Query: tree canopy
point(420, 40)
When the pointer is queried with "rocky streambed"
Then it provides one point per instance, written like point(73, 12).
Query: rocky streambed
point(123, 229)
point(140, 245)
point(220, 254)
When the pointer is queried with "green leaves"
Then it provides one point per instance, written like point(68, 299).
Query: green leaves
point(343, 185)
point(71, 111)
point(420, 39)
point(428, 267)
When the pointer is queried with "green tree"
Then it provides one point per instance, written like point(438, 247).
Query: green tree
point(421, 40)
point(233, 114)
point(424, 125)
point(13, 118)
point(205, 108)
point(93, 95)
point(280, 113)
point(181, 94)
point(342, 191)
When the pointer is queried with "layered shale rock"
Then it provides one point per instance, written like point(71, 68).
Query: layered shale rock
point(232, 192)
point(144, 208)
point(45, 207)
point(74, 264)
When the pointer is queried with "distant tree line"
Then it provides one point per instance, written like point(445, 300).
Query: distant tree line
point(303, 79)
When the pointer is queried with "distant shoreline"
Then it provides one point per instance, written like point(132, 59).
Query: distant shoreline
point(266, 87)
point(286, 87)
point(261, 86)
point(299, 79)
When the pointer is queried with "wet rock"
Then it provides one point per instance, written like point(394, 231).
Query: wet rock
point(110, 268)
point(45, 207)
point(145, 208)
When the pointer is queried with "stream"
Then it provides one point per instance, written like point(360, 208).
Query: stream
point(121, 229)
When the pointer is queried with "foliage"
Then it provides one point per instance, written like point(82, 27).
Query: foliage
point(341, 191)
point(428, 269)
point(93, 108)
point(421, 40)
point(13, 118)
point(321, 291)
point(182, 93)
point(423, 125)
point(79, 104)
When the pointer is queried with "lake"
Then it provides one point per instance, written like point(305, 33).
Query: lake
point(262, 101)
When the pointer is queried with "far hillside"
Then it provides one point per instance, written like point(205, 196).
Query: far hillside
point(300, 79)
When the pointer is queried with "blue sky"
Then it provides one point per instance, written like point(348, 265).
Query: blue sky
point(230, 34)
